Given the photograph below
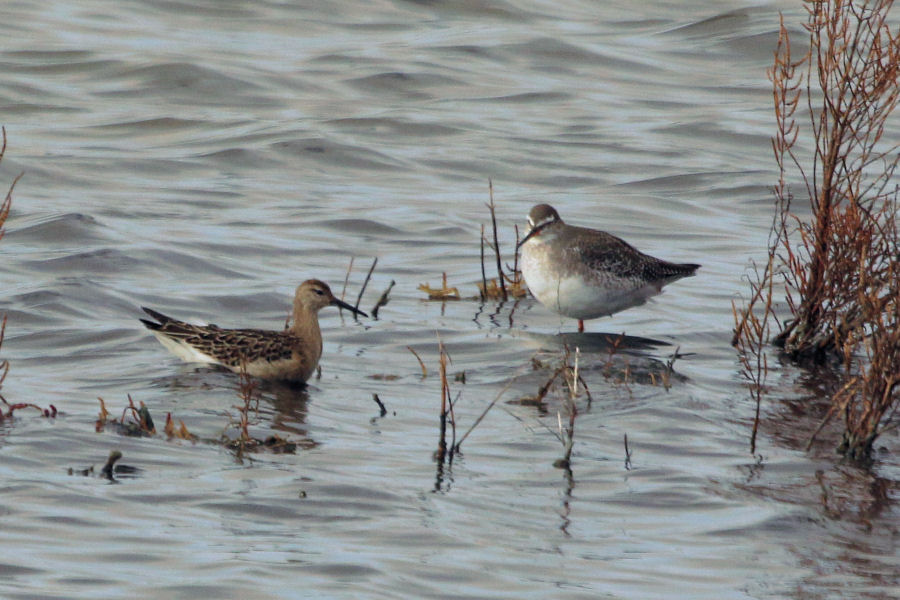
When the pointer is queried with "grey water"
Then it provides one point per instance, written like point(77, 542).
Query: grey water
point(203, 158)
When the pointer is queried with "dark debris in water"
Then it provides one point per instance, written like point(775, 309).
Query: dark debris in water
point(136, 421)
point(111, 470)
point(274, 443)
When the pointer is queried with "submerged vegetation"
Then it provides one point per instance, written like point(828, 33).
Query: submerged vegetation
point(137, 422)
point(840, 265)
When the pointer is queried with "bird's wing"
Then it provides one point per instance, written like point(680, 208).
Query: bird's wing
point(233, 346)
point(228, 346)
point(615, 255)
point(612, 255)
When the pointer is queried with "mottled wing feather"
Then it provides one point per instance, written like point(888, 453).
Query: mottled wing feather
point(617, 256)
point(232, 346)
point(612, 255)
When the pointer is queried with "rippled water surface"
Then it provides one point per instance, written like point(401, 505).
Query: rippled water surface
point(205, 157)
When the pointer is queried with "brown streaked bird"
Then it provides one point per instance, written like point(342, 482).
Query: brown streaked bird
point(586, 273)
point(290, 355)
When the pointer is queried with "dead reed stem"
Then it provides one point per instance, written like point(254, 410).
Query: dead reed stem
point(568, 435)
point(752, 329)
point(484, 413)
point(500, 277)
point(483, 290)
point(346, 279)
point(446, 410)
point(343, 293)
point(421, 362)
point(363, 289)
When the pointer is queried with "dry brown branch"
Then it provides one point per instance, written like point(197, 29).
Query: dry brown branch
point(250, 396)
point(247, 393)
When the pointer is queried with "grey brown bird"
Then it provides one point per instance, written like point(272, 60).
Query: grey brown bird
point(290, 355)
point(586, 273)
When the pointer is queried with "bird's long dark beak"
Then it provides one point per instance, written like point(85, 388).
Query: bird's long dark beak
point(343, 304)
point(534, 231)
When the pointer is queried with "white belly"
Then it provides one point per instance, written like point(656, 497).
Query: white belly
point(575, 296)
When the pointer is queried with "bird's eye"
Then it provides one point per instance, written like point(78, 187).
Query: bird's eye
point(318, 291)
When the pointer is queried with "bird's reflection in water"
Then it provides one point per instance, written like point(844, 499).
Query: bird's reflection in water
point(616, 357)
point(291, 405)
point(284, 403)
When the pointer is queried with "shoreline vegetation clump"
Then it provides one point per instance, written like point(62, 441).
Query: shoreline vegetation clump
point(840, 265)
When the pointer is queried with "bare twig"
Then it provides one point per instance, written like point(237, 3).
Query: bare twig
point(365, 283)
point(496, 242)
point(485, 412)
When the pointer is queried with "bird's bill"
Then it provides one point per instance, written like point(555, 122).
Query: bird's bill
point(352, 309)
point(534, 231)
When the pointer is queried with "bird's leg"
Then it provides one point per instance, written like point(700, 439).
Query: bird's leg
point(580, 326)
